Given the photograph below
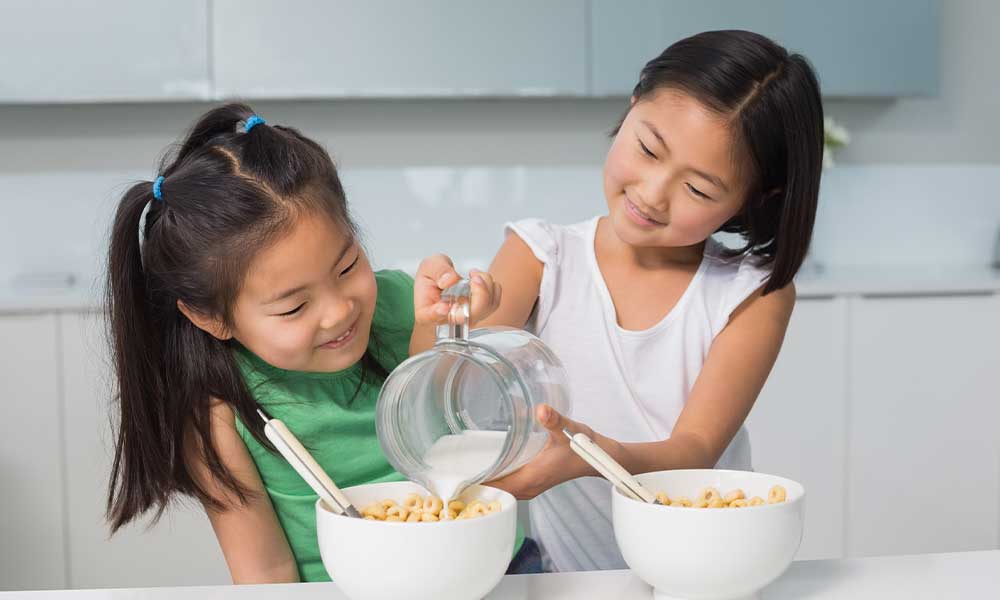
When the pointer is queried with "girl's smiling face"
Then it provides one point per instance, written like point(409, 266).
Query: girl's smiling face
point(308, 299)
point(670, 179)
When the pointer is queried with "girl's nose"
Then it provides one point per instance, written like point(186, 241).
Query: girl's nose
point(337, 312)
point(656, 196)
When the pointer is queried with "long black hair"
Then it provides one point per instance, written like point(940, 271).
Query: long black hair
point(226, 193)
point(771, 99)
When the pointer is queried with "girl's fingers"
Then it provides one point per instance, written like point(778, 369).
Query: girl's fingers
point(485, 294)
point(435, 313)
point(552, 420)
point(549, 418)
point(439, 269)
point(447, 278)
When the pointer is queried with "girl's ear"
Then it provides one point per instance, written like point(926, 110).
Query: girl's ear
point(211, 325)
point(631, 101)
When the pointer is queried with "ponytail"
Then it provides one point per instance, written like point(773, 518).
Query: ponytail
point(140, 471)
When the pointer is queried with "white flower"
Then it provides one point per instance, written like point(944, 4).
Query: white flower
point(834, 136)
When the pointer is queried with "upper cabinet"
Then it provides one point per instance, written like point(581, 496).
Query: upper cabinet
point(393, 48)
point(860, 48)
point(58, 51)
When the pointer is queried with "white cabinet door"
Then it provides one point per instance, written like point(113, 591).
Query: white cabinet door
point(32, 486)
point(180, 550)
point(863, 48)
point(267, 49)
point(112, 50)
point(797, 425)
point(924, 414)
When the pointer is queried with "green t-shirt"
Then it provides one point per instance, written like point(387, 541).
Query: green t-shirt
point(333, 418)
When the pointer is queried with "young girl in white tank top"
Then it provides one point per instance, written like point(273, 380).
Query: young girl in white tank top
point(666, 336)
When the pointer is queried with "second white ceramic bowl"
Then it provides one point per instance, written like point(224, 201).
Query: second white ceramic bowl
point(709, 553)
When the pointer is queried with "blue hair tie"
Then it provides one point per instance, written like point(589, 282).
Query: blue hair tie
point(253, 121)
point(158, 188)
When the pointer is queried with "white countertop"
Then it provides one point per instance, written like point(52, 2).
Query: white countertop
point(810, 283)
point(897, 281)
point(930, 576)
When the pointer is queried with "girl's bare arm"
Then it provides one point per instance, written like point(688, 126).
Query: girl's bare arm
point(250, 536)
point(519, 274)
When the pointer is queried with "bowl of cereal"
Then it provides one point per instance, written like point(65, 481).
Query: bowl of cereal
point(410, 545)
point(718, 535)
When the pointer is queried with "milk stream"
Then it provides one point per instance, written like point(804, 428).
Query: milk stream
point(455, 459)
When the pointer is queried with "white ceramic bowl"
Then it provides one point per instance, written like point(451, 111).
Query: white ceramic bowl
point(449, 560)
point(709, 553)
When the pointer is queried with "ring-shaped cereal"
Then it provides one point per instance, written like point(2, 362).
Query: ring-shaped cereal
point(427, 517)
point(663, 498)
point(376, 511)
point(707, 494)
point(736, 494)
point(738, 503)
point(755, 501)
point(397, 511)
point(414, 502)
point(433, 505)
point(776, 495)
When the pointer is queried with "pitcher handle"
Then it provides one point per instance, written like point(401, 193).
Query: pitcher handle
point(457, 327)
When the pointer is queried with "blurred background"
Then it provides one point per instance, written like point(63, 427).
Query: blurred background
point(448, 119)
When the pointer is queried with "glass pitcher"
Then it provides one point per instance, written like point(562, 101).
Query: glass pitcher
point(463, 412)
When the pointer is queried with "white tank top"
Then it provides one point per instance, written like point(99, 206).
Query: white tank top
point(628, 385)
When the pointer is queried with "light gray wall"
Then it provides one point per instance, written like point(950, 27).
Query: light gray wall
point(960, 126)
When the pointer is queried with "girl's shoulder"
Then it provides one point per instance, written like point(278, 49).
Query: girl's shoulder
point(731, 279)
point(549, 241)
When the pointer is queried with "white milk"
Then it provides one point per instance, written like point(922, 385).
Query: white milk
point(455, 459)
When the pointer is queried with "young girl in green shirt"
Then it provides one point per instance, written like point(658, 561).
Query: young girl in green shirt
point(236, 280)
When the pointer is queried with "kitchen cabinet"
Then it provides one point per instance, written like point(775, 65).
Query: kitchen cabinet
point(923, 412)
point(179, 550)
point(797, 426)
point(395, 48)
point(859, 48)
point(121, 51)
point(54, 51)
point(32, 478)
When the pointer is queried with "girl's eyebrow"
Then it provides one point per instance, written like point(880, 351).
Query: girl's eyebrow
point(288, 293)
point(707, 176)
